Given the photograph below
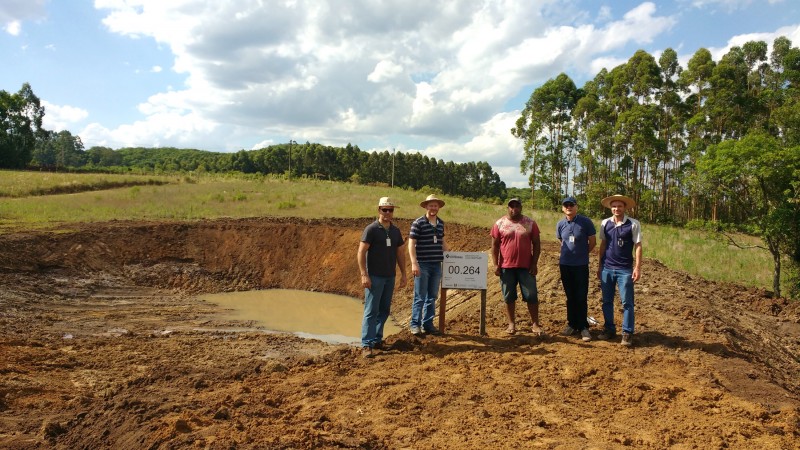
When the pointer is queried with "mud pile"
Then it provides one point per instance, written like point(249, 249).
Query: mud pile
point(105, 344)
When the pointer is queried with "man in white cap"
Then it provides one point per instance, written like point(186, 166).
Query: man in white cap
point(380, 250)
point(620, 264)
point(426, 249)
point(516, 247)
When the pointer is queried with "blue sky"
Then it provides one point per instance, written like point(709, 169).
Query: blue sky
point(445, 78)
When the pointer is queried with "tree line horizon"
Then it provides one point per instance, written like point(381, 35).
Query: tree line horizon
point(717, 142)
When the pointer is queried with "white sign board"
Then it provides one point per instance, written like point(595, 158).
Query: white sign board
point(465, 270)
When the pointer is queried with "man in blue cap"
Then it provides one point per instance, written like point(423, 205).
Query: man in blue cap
point(577, 236)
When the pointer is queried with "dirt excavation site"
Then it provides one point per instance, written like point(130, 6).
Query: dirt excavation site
point(106, 343)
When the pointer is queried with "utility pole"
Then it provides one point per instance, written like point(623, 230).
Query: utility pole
point(290, 158)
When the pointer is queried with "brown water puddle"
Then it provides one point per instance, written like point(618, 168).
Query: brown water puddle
point(327, 317)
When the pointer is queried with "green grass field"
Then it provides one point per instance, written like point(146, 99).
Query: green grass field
point(180, 197)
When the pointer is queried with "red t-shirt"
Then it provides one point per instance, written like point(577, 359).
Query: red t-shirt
point(515, 241)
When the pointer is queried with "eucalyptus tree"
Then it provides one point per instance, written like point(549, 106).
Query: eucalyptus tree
point(549, 136)
point(696, 79)
point(637, 125)
point(786, 111)
point(21, 116)
point(594, 124)
point(673, 113)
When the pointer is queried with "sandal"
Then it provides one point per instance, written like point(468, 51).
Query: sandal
point(537, 330)
point(511, 331)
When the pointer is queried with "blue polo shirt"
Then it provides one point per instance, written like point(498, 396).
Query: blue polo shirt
point(575, 251)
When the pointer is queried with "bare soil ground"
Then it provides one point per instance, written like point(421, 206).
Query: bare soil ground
point(105, 344)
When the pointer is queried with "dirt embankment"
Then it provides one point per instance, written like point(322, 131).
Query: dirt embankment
point(104, 344)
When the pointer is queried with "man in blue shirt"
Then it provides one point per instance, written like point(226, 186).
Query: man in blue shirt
point(577, 236)
point(620, 264)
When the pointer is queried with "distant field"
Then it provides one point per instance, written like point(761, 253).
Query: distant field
point(23, 184)
point(178, 197)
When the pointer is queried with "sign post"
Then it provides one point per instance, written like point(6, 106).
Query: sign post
point(464, 270)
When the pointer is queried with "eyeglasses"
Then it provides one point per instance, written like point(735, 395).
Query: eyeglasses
point(569, 205)
point(387, 210)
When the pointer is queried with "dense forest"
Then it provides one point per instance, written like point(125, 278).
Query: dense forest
point(717, 142)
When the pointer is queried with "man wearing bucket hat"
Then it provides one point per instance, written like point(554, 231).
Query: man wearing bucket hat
point(426, 249)
point(620, 264)
point(380, 250)
point(516, 247)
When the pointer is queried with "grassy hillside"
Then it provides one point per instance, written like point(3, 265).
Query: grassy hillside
point(213, 196)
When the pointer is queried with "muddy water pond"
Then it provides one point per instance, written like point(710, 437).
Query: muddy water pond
point(327, 317)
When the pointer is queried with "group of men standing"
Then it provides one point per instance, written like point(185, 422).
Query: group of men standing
point(516, 247)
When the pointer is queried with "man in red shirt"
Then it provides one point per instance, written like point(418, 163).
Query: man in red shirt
point(515, 252)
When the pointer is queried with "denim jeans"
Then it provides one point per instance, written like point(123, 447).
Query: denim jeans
point(575, 280)
point(509, 278)
point(426, 290)
point(610, 280)
point(377, 304)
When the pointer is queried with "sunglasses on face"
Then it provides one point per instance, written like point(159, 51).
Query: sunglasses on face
point(569, 205)
point(387, 210)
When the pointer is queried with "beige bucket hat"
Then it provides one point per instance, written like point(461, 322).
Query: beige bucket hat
point(386, 201)
point(431, 198)
point(629, 202)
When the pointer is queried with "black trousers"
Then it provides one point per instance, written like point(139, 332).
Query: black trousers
point(575, 280)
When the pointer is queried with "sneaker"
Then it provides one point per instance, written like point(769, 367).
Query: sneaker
point(568, 331)
point(366, 352)
point(433, 331)
point(607, 335)
point(627, 339)
point(378, 346)
point(585, 335)
point(416, 331)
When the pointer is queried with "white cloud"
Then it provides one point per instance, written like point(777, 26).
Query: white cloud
point(384, 70)
point(158, 130)
point(13, 28)
point(61, 117)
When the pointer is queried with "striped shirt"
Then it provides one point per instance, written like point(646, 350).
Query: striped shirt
point(428, 249)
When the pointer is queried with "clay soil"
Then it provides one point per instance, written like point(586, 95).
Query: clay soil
point(104, 343)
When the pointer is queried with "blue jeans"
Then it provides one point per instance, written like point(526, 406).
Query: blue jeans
point(377, 304)
point(610, 280)
point(426, 290)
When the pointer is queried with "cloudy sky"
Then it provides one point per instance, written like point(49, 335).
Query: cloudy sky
point(443, 78)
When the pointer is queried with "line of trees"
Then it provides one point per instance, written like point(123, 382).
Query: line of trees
point(312, 160)
point(25, 144)
point(717, 141)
